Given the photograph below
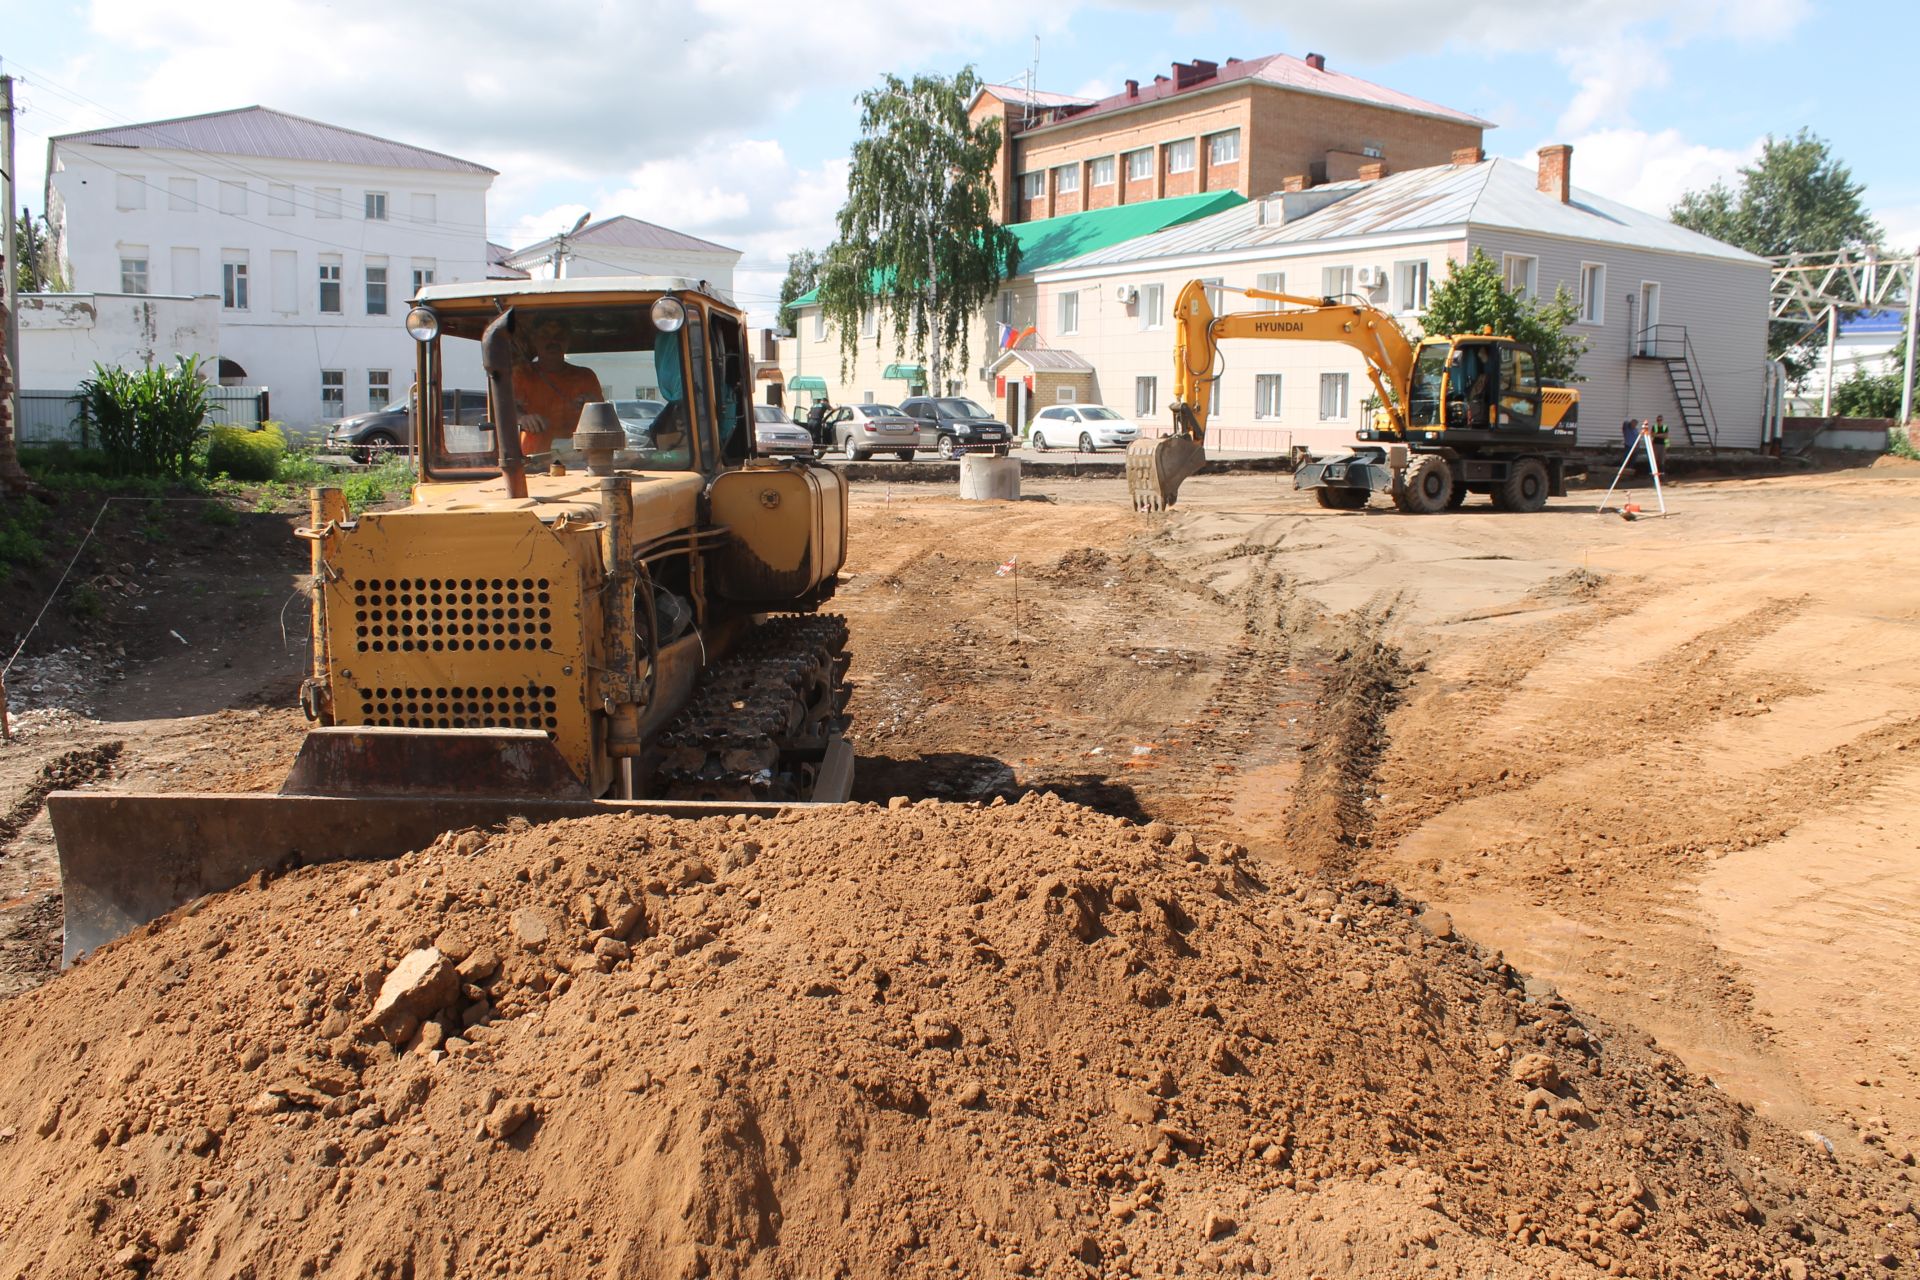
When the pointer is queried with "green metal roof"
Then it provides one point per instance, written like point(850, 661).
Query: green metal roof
point(808, 382)
point(1051, 240)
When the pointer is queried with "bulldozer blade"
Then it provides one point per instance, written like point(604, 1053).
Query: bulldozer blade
point(1156, 468)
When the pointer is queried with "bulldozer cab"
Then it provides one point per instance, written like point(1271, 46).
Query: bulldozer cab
point(669, 355)
point(1483, 383)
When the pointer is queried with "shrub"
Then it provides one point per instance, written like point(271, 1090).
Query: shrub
point(150, 422)
point(246, 454)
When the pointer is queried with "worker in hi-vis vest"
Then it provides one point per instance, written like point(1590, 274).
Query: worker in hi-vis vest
point(1660, 442)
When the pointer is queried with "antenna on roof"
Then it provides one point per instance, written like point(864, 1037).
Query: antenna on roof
point(1033, 83)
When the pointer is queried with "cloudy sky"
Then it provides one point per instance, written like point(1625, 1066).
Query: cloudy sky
point(732, 120)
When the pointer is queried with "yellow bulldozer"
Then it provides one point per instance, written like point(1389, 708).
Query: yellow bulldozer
point(1459, 414)
point(575, 613)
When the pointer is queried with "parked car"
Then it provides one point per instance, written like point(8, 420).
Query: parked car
point(951, 425)
point(776, 433)
point(390, 430)
point(1084, 426)
point(858, 431)
point(636, 420)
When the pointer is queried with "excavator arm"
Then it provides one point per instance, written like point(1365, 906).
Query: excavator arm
point(1156, 468)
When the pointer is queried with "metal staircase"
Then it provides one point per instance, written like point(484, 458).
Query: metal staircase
point(1669, 344)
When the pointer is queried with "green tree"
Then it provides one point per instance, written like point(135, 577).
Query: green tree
point(918, 242)
point(803, 277)
point(1796, 198)
point(36, 269)
point(1873, 395)
point(1474, 296)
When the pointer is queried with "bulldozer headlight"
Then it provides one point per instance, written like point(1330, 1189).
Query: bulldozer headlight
point(422, 324)
point(668, 314)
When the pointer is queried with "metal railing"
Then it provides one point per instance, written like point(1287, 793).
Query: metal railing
point(59, 417)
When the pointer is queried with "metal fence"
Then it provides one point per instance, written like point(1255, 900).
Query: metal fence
point(56, 417)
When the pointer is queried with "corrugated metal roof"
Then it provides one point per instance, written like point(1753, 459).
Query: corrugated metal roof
point(622, 232)
point(1020, 95)
point(1493, 193)
point(262, 131)
point(497, 268)
point(1044, 359)
point(1283, 71)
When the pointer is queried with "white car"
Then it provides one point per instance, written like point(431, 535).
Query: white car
point(1085, 427)
point(776, 433)
point(858, 431)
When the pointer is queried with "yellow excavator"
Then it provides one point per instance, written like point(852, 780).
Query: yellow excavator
point(1459, 414)
point(626, 618)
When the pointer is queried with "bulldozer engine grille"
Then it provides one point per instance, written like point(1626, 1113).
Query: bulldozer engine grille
point(531, 706)
point(435, 615)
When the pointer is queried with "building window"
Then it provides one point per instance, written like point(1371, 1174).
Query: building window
point(1272, 282)
point(426, 207)
point(1139, 166)
point(333, 393)
point(1333, 397)
point(376, 291)
point(1033, 186)
point(376, 206)
point(1410, 285)
point(1066, 179)
point(1266, 395)
point(330, 287)
point(186, 270)
point(1336, 281)
point(1006, 306)
point(379, 389)
point(1593, 293)
point(1523, 275)
point(1180, 156)
point(1224, 148)
point(233, 198)
point(129, 191)
point(1065, 395)
point(183, 195)
point(280, 199)
point(133, 274)
point(1153, 306)
point(1102, 172)
point(1070, 312)
point(422, 275)
point(326, 202)
point(233, 281)
point(819, 326)
point(870, 324)
point(1146, 397)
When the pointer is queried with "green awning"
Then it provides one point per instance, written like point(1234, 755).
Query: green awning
point(906, 372)
point(808, 383)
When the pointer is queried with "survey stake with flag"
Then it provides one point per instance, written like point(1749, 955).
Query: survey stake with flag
point(1011, 565)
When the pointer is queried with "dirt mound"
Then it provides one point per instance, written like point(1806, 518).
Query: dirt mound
point(938, 1040)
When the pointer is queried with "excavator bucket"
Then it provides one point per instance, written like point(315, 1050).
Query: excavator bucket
point(1155, 469)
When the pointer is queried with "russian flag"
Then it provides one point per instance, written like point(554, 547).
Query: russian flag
point(1007, 338)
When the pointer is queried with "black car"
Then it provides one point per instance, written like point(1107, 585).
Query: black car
point(366, 436)
point(952, 425)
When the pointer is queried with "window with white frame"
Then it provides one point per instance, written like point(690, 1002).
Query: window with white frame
point(1266, 395)
point(1146, 397)
point(1033, 186)
point(422, 273)
point(1006, 307)
point(1522, 271)
point(379, 388)
point(326, 202)
point(1216, 300)
point(819, 326)
point(376, 206)
point(1070, 311)
point(280, 199)
point(233, 280)
point(183, 194)
point(1139, 165)
point(1066, 179)
point(1272, 282)
point(1333, 397)
point(1593, 293)
point(1213, 397)
point(1064, 395)
point(129, 192)
point(1102, 173)
point(426, 207)
point(1410, 288)
point(1224, 148)
point(133, 270)
point(870, 323)
point(1180, 156)
point(233, 198)
point(377, 289)
point(1335, 281)
point(333, 393)
point(1153, 306)
point(330, 284)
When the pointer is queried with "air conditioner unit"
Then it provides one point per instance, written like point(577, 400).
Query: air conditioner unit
point(1372, 277)
point(1126, 293)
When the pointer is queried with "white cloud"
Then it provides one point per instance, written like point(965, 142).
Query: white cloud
point(1613, 74)
point(1651, 170)
point(1901, 225)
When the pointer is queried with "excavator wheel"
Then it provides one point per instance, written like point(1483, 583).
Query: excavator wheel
point(1425, 486)
point(1342, 499)
point(1155, 469)
point(1525, 488)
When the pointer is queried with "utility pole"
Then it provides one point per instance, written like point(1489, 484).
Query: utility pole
point(7, 295)
point(1913, 332)
point(560, 243)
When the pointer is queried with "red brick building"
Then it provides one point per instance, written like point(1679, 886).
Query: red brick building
point(1251, 126)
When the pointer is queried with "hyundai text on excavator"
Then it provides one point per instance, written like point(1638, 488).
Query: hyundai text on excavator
point(1459, 414)
point(630, 621)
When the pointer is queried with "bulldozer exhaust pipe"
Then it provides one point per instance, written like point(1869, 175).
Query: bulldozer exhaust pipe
point(496, 360)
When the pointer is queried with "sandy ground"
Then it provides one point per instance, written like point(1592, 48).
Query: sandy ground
point(1666, 765)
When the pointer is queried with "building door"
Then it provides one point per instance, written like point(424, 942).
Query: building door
point(1649, 315)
